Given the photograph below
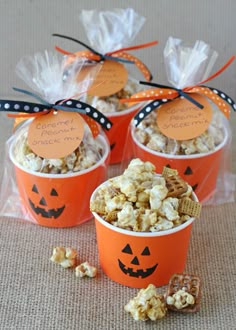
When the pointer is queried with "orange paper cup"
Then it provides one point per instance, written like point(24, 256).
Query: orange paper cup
point(199, 170)
point(136, 259)
point(59, 200)
point(118, 134)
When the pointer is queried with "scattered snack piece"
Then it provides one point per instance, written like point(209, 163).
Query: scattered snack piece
point(85, 269)
point(142, 201)
point(66, 257)
point(148, 304)
point(183, 293)
point(180, 299)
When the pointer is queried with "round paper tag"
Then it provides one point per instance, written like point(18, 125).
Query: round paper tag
point(56, 134)
point(110, 79)
point(182, 120)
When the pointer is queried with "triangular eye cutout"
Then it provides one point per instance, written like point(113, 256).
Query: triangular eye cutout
point(127, 249)
point(188, 171)
point(34, 189)
point(53, 192)
point(146, 252)
point(42, 202)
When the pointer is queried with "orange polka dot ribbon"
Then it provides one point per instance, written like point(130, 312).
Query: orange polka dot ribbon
point(120, 55)
point(160, 94)
point(22, 109)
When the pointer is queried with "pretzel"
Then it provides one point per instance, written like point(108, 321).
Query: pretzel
point(175, 185)
point(167, 171)
point(190, 207)
point(189, 283)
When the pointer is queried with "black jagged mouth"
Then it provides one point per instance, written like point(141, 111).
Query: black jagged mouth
point(50, 213)
point(137, 273)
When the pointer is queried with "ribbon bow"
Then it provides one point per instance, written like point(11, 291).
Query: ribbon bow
point(29, 109)
point(118, 55)
point(163, 94)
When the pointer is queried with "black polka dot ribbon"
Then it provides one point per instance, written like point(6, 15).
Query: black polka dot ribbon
point(223, 96)
point(75, 105)
point(69, 105)
point(147, 109)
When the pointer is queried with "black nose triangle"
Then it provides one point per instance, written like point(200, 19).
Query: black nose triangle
point(135, 261)
point(42, 202)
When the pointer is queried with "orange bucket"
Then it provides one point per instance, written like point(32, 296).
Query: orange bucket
point(199, 170)
point(136, 259)
point(59, 200)
point(118, 134)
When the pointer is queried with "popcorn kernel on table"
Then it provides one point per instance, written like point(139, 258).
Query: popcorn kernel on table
point(85, 270)
point(148, 304)
point(66, 257)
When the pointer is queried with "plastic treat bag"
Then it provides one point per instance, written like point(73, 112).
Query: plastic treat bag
point(59, 155)
point(110, 34)
point(109, 31)
point(186, 126)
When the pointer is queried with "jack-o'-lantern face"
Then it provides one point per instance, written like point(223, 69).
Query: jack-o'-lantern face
point(136, 265)
point(185, 175)
point(42, 205)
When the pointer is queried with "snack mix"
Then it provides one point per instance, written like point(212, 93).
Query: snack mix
point(88, 153)
point(183, 293)
point(148, 304)
point(142, 201)
point(85, 270)
point(64, 256)
point(111, 104)
point(148, 134)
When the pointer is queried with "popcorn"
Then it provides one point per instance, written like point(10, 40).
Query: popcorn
point(88, 153)
point(85, 269)
point(180, 299)
point(66, 257)
point(148, 304)
point(140, 200)
point(157, 194)
point(126, 217)
point(148, 134)
point(162, 224)
point(147, 219)
point(169, 209)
